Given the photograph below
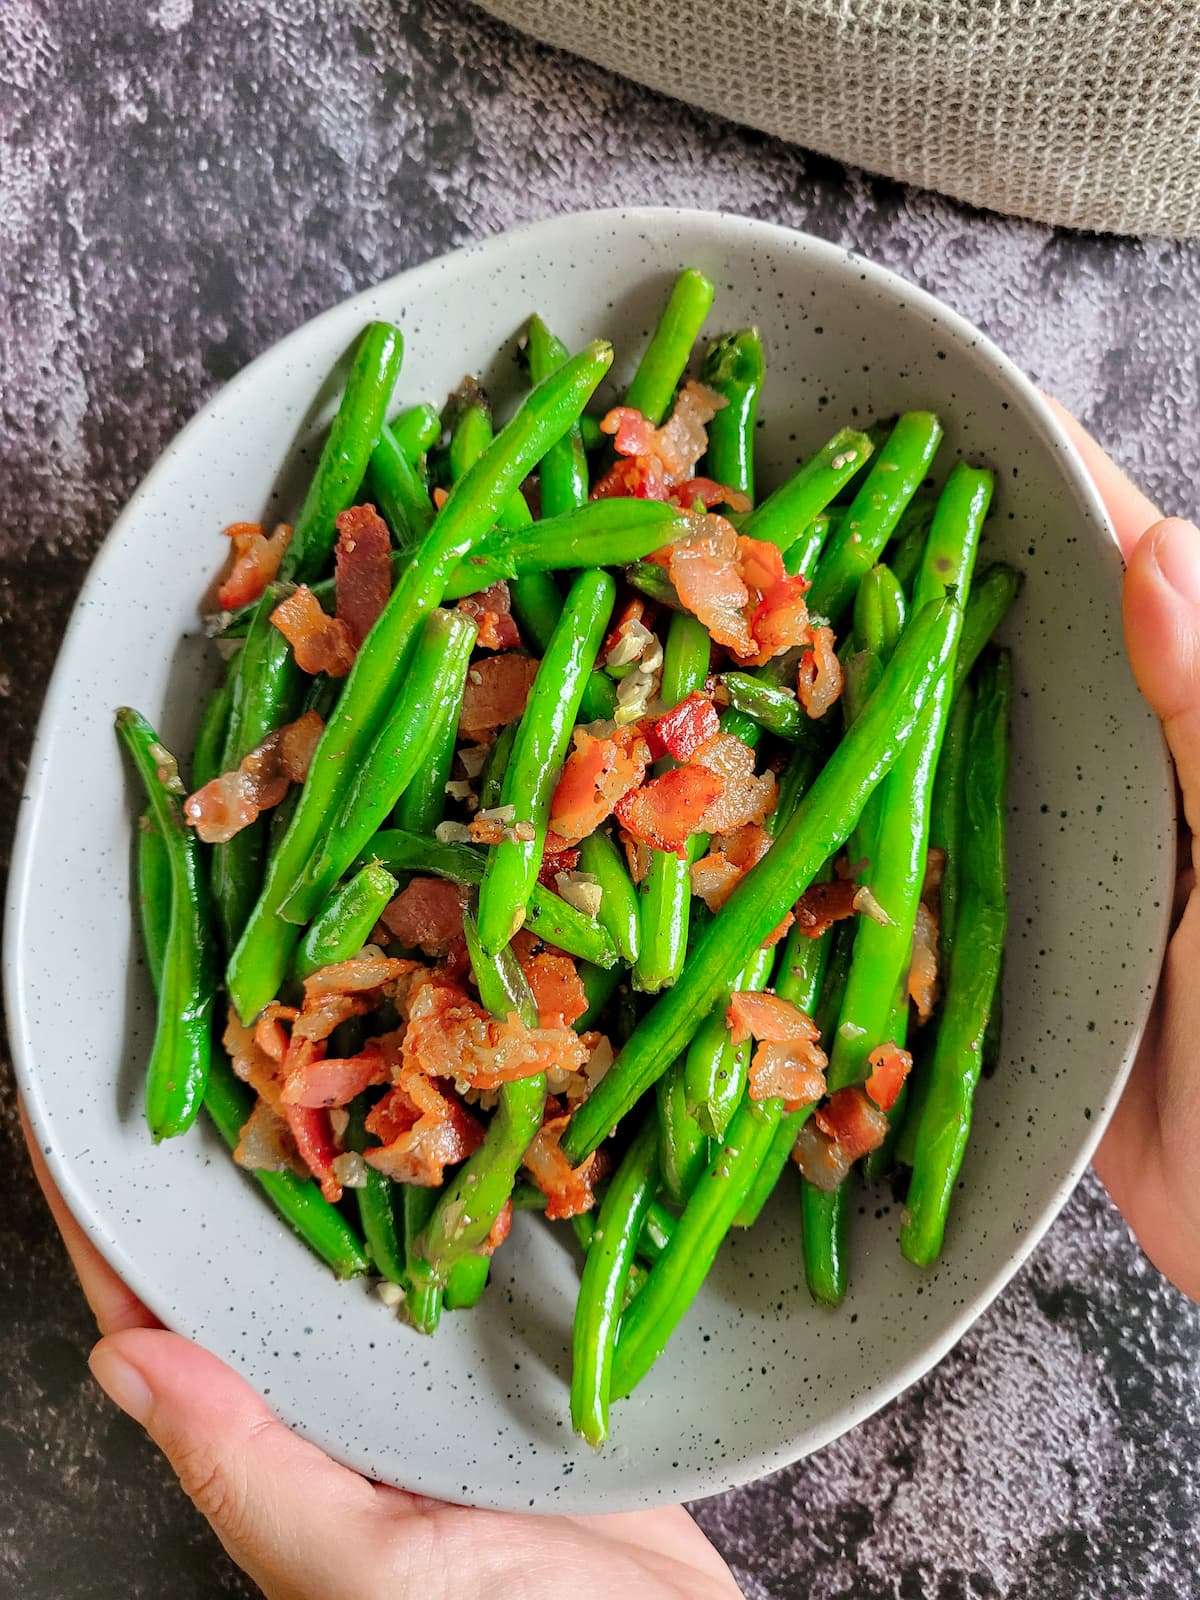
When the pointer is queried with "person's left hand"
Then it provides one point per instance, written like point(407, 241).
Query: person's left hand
point(305, 1528)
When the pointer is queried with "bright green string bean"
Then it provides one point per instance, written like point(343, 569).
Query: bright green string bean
point(784, 515)
point(666, 356)
point(734, 368)
point(343, 924)
point(563, 474)
point(601, 856)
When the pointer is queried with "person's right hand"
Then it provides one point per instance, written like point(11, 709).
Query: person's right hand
point(1149, 1157)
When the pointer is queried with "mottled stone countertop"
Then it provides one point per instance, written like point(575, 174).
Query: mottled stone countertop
point(182, 182)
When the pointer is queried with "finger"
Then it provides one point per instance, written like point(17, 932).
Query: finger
point(1131, 511)
point(297, 1522)
point(113, 1303)
point(1162, 634)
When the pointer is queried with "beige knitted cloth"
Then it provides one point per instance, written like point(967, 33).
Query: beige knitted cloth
point(1083, 112)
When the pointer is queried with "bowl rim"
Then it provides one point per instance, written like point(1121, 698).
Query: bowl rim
point(680, 1484)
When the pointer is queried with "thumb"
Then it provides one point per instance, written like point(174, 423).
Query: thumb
point(282, 1509)
point(1162, 630)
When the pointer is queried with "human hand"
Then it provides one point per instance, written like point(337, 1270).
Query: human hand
point(305, 1528)
point(1147, 1158)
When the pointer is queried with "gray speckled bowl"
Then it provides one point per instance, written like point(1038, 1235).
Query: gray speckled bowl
point(755, 1377)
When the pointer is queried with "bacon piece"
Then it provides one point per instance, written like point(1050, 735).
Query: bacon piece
point(313, 1132)
point(766, 1017)
point(716, 875)
point(665, 812)
point(228, 803)
point(681, 731)
point(820, 677)
point(499, 1231)
point(265, 1144)
point(823, 1162)
point(780, 620)
point(554, 862)
point(558, 990)
point(743, 797)
point(789, 1063)
point(358, 975)
point(703, 568)
point(251, 1062)
point(255, 562)
point(823, 904)
point(322, 1015)
point(496, 690)
point(363, 569)
point(707, 492)
point(923, 968)
point(422, 1130)
point(569, 1190)
point(492, 610)
point(890, 1066)
point(776, 1073)
point(449, 1035)
point(427, 914)
point(335, 1081)
point(319, 642)
point(596, 777)
point(777, 932)
point(760, 563)
point(852, 1122)
point(269, 1034)
point(636, 478)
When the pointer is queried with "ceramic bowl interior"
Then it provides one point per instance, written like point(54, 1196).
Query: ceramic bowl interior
point(755, 1376)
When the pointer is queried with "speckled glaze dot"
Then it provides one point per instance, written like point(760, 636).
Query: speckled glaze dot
point(755, 1377)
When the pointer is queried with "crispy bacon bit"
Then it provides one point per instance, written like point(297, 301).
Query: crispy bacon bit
point(363, 569)
point(557, 989)
point(320, 643)
point(743, 797)
point(777, 932)
point(935, 869)
point(231, 802)
point(636, 478)
point(334, 1081)
point(492, 610)
point(500, 1230)
point(496, 691)
point(707, 492)
point(658, 463)
point(780, 621)
point(554, 862)
point(824, 1163)
point(761, 564)
point(265, 1144)
point(820, 677)
point(321, 1016)
point(776, 1073)
point(681, 731)
point(823, 904)
point(426, 915)
point(422, 1130)
point(449, 1035)
point(313, 1133)
point(703, 568)
point(767, 1018)
point(251, 1062)
point(789, 1063)
point(269, 1034)
point(359, 975)
point(717, 874)
point(596, 777)
point(923, 968)
point(665, 812)
point(890, 1065)
point(852, 1122)
point(255, 562)
point(569, 1190)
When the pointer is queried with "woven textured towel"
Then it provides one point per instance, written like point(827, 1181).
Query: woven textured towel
point(1083, 112)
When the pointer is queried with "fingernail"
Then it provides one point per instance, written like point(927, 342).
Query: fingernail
point(121, 1382)
point(1177, 551)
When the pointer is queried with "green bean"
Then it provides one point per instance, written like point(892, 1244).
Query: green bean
point(784, 515)
point(599, 986)
point(656, 1232)
point(528, 1197)
point(992, 1034)
point(259, 962)
point(716, 1071)
point(297, 1200)
point(563, 474)
point(589, 432)
point(992, 593)
point(825, 1230)
point(775, 709)
point(880, 612)
point(600, 855)
point(265, 686)
point(422, 1291)
point(676, 1277)
point(209, 749)
point(809, 970)
point(352, 437)
point(652, 580)
point(666, 890)
point(416, 430)
point(802, 555)
point(423, 804)
point(540, 746)
point(343, 924)
point(602, 1287)
point(946, 819)
point(945, 1123)
point(472, 1200)
point(395, 486)
point(604, 533)
point(882, 952)
point(182, 1049)
point(821, 824)
point(434, 685)
point(734, 369)
point(491, 777)
point(666, 357)
point(908, 542)
point(682, 1143)
point(550, 917)
point(896, 473)
point(376, 1206)
point(467, 1280)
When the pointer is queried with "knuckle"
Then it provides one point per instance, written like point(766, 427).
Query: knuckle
point(206, 1481)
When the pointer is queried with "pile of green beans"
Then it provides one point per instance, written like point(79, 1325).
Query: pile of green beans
point(402, 788)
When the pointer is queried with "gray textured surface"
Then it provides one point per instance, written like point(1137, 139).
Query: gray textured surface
point(180, 184)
